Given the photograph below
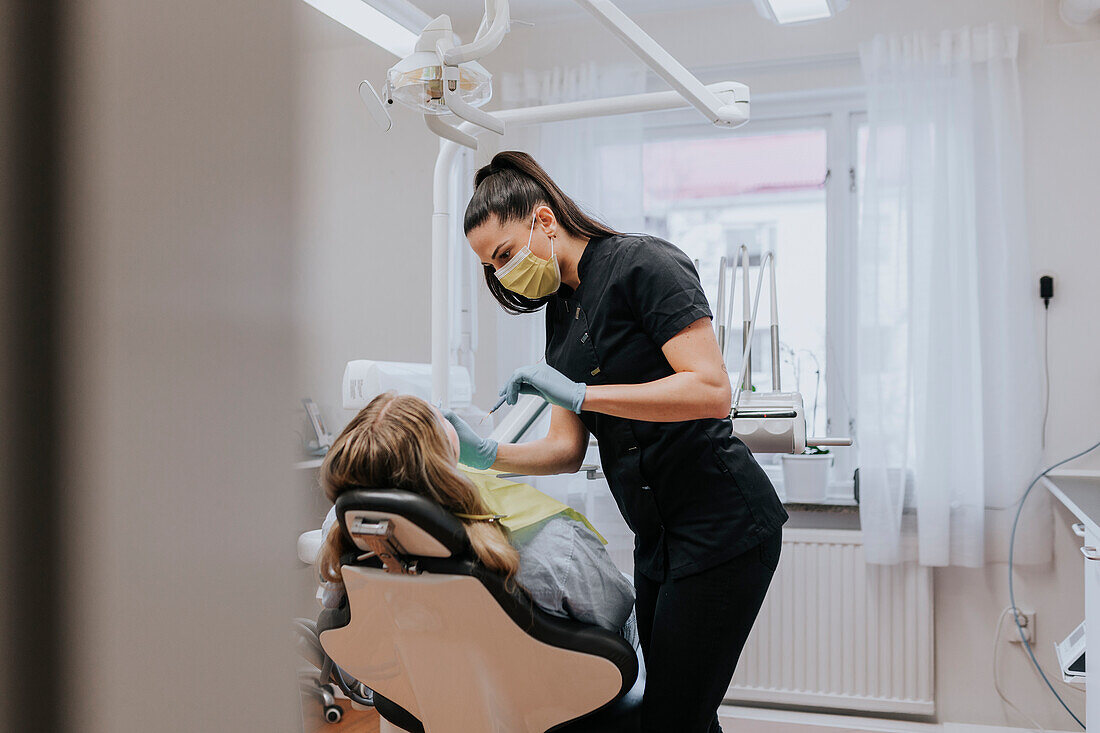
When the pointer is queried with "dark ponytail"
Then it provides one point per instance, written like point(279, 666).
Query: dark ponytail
point(509, 188)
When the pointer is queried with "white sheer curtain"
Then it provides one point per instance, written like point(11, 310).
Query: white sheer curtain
point(948, 377)
point(598, 163)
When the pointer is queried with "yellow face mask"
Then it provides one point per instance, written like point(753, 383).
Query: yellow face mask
point(531, 276)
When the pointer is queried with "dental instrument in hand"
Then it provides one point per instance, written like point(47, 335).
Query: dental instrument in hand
point(503, 399)
point(495, 408)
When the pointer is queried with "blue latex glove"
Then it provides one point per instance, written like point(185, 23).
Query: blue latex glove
point(547, 382)
point(474, 451)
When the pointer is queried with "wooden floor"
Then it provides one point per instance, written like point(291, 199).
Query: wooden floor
point(354, 721)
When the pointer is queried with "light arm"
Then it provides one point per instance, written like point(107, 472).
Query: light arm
point(485, 42)
point(726, 114)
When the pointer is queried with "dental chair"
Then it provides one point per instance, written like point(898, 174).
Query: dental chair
point(447, 647)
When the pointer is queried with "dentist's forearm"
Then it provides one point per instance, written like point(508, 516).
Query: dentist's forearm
point(680, 396)
point(538, 458)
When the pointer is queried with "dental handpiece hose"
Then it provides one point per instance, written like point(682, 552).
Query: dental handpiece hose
point(750, 327)
point(774, 330)
point(746, 335)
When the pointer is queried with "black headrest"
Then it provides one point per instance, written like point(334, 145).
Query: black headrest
point(417, 521)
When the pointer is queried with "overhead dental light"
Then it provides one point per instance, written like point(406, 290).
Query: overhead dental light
point(442, 78)
point(416, 81)
point(786, 12)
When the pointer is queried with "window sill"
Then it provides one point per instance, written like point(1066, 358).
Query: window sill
point(837, 493)
point(838, 506)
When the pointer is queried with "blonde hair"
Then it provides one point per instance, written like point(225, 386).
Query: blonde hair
point(397, 442)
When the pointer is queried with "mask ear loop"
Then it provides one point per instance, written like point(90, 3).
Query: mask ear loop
point(516, 259)
point(551, 236)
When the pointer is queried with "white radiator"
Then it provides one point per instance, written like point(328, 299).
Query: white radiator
point(836, 632)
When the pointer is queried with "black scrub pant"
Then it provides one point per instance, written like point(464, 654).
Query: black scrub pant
point(692, 631)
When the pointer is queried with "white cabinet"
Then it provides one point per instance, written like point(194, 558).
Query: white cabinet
point(1080, 493)
point(1091, 551)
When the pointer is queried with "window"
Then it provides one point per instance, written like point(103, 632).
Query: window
point(765, 191)
point(785, 184)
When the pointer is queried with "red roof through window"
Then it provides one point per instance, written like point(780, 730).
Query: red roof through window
point(676, 170)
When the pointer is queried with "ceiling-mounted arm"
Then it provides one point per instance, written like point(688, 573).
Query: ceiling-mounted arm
point(487, 40)
point(494, 26)
point(483, 27)
point(724, 113)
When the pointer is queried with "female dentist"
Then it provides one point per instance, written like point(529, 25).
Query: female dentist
point(631, 358)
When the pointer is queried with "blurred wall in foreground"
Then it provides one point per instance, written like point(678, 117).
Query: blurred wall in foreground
point(30, 447)
point(170, 362)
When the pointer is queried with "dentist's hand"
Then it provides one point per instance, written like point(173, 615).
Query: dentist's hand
point(474, 451)
point(549, 383)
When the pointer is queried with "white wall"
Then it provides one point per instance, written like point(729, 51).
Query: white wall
point(362, 276)
point(177, 355)
point(366, 230)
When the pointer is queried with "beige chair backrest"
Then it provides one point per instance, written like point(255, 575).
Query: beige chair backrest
point(442, 647)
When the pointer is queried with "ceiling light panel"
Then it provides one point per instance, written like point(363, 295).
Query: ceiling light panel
point(799, 11)
point(371, 23)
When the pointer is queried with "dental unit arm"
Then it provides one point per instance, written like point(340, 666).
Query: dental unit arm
point(766, 422)
point(489, 36)
point(719, 112)
point(447, 69)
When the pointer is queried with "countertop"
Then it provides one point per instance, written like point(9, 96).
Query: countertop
point(829, 507)
point(1080, 492)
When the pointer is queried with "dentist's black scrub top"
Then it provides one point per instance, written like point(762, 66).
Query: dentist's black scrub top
point(692, 492)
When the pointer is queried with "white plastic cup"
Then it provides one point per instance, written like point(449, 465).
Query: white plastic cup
point(806, 477)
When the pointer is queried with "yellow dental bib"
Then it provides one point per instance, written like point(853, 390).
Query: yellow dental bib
point(521, 504)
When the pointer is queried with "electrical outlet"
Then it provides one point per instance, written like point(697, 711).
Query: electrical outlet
point(1027, 621)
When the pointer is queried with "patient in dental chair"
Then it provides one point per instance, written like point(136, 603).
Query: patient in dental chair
point(402, 442)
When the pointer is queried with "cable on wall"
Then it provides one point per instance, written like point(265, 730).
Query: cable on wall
point(1012, 590)
point(996, 678)
point(1046, 292)
point(1046, 373)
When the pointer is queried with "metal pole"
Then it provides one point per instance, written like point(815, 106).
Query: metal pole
point(441, 282)
point(746, 324)
point(774, 329)
point(719, 326)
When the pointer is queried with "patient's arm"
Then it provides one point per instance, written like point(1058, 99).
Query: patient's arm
point(561, 451)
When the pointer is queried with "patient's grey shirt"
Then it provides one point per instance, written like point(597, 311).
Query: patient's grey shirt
point(567, 572)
